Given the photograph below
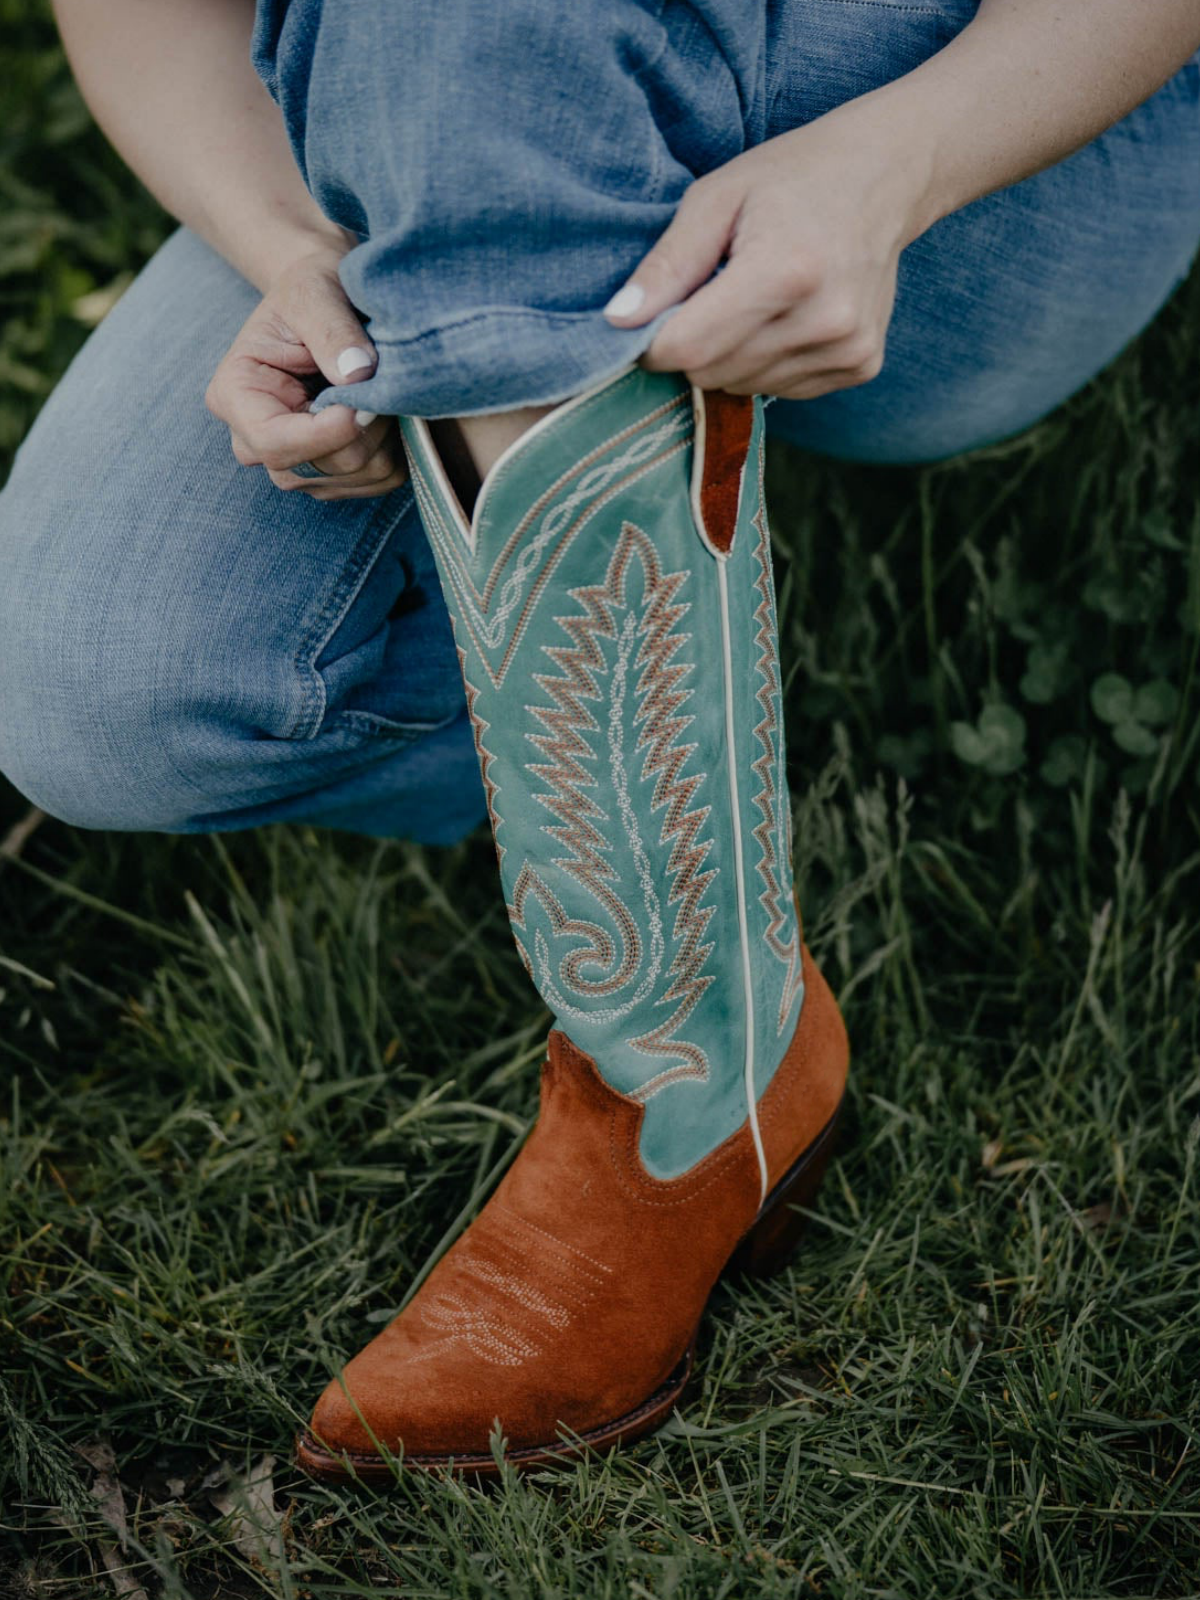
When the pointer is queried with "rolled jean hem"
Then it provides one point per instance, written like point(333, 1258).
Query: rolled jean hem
point(496, 359)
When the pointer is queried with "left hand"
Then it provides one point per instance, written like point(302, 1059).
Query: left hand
point(304, 331)
point(811, 225)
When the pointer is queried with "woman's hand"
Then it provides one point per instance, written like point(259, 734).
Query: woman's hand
point(303, 334)
point(810, 225)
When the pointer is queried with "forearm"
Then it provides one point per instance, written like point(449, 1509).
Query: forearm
point(171, 84)
point(1025, 84)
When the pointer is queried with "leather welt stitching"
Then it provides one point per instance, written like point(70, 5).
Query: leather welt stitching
point(663, 1392)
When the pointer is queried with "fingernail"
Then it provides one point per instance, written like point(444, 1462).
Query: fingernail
point(365, 418)
point(626, 301)
point(354, 359)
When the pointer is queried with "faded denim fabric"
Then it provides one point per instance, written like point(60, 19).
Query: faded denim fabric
point(185, 649)
point(509, 165)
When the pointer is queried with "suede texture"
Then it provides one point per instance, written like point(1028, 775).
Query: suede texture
point(579, 1287)
point(728, 426)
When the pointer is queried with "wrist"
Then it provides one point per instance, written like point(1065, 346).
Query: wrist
point(898, 125)
point(880, 150)
point(278, 248)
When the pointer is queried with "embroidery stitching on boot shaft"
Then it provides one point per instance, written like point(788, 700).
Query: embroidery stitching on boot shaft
point(617, 917)
point(568, 776)
point(775, 897)
point(487, 634)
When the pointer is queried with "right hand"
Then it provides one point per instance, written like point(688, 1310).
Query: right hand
point(303, 331)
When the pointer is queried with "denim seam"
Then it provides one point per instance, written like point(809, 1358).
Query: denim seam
point(891, 5)
point(453, 325)
point(325, 623)
point(404, 733)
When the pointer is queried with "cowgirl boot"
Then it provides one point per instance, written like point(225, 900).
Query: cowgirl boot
point(614, 613)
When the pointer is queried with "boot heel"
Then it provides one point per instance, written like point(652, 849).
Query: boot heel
point(777, 1229)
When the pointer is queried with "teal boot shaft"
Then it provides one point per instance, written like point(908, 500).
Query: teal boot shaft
point(614, 611)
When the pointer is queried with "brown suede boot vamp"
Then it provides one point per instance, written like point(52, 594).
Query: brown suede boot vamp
point(570, 1306)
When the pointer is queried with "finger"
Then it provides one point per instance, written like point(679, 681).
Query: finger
point(684, 257)
point(728, 313)
point(322, 318)
point(386, 463)
point(326, 489)
point(240, 374)
point(279, 438)
point(355, 457)
point(785, 383)
point(372, 492)
point(767, 347)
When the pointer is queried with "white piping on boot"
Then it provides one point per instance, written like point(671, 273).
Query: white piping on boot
point(740, 879)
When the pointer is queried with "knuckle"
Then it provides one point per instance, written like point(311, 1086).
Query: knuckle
point(658, 267)
point(800, 276)
point(870, 366)
point(838, 318)
point(858, 351)
point(693, 195)
point(684, 353)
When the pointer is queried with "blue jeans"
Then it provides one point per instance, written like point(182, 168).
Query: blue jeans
point(183, 648)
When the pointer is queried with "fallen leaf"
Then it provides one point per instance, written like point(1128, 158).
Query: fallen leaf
point(248, 1506)
point(110, 1503)
point(1094, 1219)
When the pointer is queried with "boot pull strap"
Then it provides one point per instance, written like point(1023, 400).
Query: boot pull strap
point(724, 424)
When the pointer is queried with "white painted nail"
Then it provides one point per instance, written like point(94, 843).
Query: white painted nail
point(365, 418)
point(626, 301)
point(354, 359)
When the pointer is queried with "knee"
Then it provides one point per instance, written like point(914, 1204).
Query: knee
point(129, 705)
point(81, 732)
point(100, 720)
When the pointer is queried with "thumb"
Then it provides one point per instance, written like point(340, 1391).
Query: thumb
point(326, 322)
point(686, 256)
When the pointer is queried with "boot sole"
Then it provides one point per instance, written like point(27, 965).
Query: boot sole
point(762, 1250)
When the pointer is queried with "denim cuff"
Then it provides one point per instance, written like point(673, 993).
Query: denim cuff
point(498, 358)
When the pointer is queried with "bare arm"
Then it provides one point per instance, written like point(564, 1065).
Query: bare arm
point(812, 223)
point(1029, 81)
point(171, 84)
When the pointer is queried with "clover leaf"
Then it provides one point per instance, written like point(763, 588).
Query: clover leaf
point(1112, 698)
point(995, 742)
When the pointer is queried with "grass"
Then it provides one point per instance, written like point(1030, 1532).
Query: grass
point(250, 1084)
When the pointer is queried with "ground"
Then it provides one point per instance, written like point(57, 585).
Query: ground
point(250, 1086)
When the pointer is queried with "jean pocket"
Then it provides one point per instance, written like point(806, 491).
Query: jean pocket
point(375, 657)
